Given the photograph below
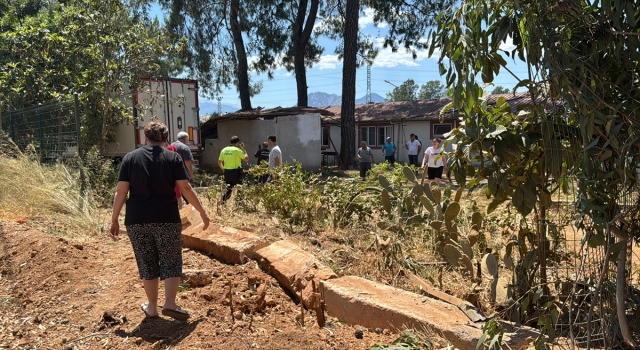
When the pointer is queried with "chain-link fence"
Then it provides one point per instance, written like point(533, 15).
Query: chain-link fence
point(50, 131)
point(579, 276)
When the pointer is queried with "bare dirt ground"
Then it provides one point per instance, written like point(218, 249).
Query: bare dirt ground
point(57, 294)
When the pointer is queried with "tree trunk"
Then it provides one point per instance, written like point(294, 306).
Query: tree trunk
point(301, 78)
point(347, 116)
point(302, 34)
point(241, 56)
point(621, 305)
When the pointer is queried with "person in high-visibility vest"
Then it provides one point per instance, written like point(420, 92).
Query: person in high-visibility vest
point(230, 162)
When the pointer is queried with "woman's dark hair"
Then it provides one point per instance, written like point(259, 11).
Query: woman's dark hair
point(156, 132)
point(272, 138)
point(437, 139)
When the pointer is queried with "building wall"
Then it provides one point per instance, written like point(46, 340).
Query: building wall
point(298, 138)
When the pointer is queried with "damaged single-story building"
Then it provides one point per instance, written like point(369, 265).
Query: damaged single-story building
point(297, 131)
point(311, 136)
point(375, 122)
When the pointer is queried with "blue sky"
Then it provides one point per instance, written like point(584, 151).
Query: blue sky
point(326, 75)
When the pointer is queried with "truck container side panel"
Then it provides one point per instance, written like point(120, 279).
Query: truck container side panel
point(171, 101)
point(153, 105)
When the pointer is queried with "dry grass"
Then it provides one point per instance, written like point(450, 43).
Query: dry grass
point(45, 195)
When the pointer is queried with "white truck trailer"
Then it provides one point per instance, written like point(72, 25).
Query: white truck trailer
point(169, 100)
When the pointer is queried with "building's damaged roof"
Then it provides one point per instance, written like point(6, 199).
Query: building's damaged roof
point(424, 110)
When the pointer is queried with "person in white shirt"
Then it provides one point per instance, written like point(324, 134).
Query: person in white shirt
point(275, 156)
point(414, 147)
point(435, 167)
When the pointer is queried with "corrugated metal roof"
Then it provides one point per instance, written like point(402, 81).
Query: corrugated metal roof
point(415, 110)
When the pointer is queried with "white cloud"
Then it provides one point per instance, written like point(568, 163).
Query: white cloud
point(328, 62)
point(368, 19)
point(507, 45)
point(388, 58)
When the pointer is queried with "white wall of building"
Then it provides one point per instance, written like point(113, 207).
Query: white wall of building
point(298, 137)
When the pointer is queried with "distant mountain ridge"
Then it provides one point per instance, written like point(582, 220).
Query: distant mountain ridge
point(210, 107)
point(322, 99)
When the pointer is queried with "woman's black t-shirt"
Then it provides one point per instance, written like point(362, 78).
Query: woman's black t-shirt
point(152, 172)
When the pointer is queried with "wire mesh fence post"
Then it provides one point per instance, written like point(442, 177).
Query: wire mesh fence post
point(76, 113)
point(83, 185)
point(40, 131)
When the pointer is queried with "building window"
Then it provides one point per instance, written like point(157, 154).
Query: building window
point(439, 130)
point(325, 137)
point(375, 136)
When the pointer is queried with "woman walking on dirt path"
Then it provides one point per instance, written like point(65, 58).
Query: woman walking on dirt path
point(152, 219)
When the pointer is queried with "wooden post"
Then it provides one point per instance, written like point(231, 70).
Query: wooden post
point(338, 153)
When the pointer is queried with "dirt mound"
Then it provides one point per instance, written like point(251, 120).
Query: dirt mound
point(57, 294)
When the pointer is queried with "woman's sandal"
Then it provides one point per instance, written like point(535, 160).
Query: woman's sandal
point(144, 308)
point(177, 313)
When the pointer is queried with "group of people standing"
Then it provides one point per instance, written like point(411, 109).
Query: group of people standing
point(231, 157)
point(433, 158)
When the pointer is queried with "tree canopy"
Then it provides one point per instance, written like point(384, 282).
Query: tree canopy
point(581, 123)
point(410, 91)
point(432, 90)
point(500, 90)
point(93, 48)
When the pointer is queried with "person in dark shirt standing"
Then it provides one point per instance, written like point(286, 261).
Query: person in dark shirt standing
point(263, 157)
point(262, 154)
point(187, 157)
point(185, 152)
point(149, 175)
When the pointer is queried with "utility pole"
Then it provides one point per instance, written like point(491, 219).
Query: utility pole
point(369, 100)
point(219, 98)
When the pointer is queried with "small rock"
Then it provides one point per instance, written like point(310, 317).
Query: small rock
point(359, 334)
point(138, 341)
point(206, 297)
point(157, 345)
point(78, 246)
point(110, 318)
point(386, 331)
point(253, 280)
point(379, 330)
point(196, 278)
point(81, 328)
point(315, 241)
point(65, 321)
point(238, 315)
